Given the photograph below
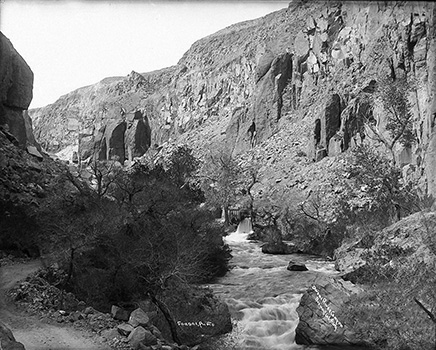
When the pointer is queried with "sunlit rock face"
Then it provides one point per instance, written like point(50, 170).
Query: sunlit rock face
point(106, 119)
point(276, 86)
point(318, 323)
point(16, 84)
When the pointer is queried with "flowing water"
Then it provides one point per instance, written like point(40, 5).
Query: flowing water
point(263, 295)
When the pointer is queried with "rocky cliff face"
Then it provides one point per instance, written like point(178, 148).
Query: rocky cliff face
point(285, 88)
point(26, 176)
point(105, 119)
point(16, 84)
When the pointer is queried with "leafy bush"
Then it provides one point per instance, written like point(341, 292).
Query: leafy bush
point(397, 311)
point(314, 225)
point(374, 192)
point(147, 230)
point(388, 315)
point(392, 95)
point(182, 165)
point(15, 229)
point(128, 234)
point(369, 194)
point(147, 254)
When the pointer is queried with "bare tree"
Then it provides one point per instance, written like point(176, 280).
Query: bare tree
point(430, 314)
point(252, 178)
point(105, 174)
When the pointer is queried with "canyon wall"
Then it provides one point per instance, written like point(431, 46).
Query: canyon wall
point(285, 89)
point(16, 85)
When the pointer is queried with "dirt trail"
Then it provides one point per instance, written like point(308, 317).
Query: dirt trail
point(29, 330)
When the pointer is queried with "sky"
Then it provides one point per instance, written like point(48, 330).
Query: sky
point(73, 43)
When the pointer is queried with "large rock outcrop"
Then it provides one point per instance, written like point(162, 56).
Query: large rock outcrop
point(16, 84)
point(123, 139)
point(24, 175)
point(104, 120)
point(285, 89)
point(318, 310)
point(198, 315)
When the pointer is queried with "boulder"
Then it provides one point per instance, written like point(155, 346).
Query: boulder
point(89, 310)
point(119, 313)
point(318, 310)
point(196, 312)
point(125, 329)
point(16, 76)
point(320, 154)
point(16, 84)
point(149, 338)
point(136, 337)
point(293, 266)
point(7, 340)
point(351, 260)
point(76, 316)
point(139, 317)
point(350, 255)
point(110, 334)
point(278, 248)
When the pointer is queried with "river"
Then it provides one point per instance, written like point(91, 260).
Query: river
point(263, 295)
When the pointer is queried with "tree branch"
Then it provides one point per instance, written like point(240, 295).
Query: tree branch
point(427, 311)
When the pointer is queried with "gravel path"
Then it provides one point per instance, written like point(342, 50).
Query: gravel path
point(31, 331)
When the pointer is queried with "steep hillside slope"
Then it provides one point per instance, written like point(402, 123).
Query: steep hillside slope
point(286, 88)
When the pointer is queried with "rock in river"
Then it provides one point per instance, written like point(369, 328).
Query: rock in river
point(318, 309)
point(293, 266)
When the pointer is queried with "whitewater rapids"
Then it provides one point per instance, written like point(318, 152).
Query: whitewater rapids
point(263, 295)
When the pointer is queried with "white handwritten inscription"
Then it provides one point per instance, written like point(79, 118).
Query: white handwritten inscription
point(200, 324)
point(326, 311)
